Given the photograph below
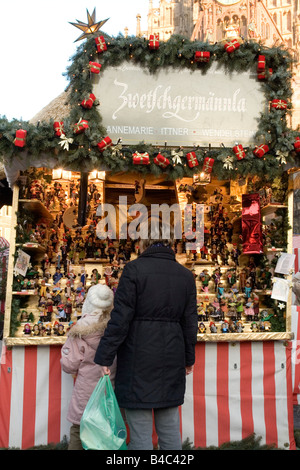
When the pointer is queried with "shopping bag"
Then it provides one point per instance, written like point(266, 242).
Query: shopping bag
point(102, 426)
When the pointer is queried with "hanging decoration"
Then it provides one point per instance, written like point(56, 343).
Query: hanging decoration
point(161, 161)
point(251, 224)
point(141, 158)
point(104, 144)
point(58, 127)
point(87, 104)
point(192, 159)
point(81, 126)
point(154, 41)
point(65, 142)
point(20, 139)
point(202, 56)
point(261, 150)
point(262, 75)
point(297, 145)
point(228, 163)
point(279, 104)
point(239, 152)
point(176, 157)
point(95, 67)
point(261, 64)
point(208, 165)
point(89, 28)
point(231, 46)
point(101, 44)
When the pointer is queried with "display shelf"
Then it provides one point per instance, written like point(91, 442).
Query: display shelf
point(32, 247)
point(25, 292)
point(238, 337)
point(36, 206)
point(271, 208)
point(35, 340)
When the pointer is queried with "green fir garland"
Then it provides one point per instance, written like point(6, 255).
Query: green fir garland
point(177, 52)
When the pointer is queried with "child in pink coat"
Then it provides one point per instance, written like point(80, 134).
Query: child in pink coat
point(78, 354)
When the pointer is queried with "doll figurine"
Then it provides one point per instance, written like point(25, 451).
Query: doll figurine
point(221, 290)
point(60, 330)
point(61, 312)
point(68, 309)
point(57, 276)
point(49, 309)
point(201, 312)
point(254, 327)
point(216, 309)
point(48, 328)
point(216, 277)
point(212, 327)
point(248, 310)
point(239, 308)
point(239, 327)
point(256, 307)
point(224, 327)
point(247, 290)
point(35, 330)
point(201, 328)
point(43, 288)
point(27, 329)
point(204, 278)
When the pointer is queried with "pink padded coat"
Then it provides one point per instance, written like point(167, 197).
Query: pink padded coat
point(77, 358)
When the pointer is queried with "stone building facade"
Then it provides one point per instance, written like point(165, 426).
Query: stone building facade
point(273, 22)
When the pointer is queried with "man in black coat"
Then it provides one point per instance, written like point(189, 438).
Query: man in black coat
point(153, 331)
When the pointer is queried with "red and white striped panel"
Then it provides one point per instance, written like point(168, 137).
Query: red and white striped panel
point(238, 389)
point(34, 398)
point(235, 390)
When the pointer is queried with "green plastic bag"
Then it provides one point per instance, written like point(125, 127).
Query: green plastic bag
point(102, 426)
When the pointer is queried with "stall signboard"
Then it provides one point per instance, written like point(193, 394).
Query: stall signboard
point(175, 105)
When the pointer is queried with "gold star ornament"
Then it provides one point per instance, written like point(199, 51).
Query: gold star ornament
point(90, 27)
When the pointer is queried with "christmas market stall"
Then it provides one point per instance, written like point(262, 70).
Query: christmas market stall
point(203, 127)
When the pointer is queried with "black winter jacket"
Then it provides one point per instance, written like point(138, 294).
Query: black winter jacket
point(153, 331)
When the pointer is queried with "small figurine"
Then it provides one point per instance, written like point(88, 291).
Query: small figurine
point(249, 312)
point(61, 311)
point(204, 278)
point(248, 290)
point(254, 327)
point(201, 328)
point(60, 330)
point(57, 276)
point(27, 329)
point(239, 328)
point(212, 327)
point(35, 330)
point(200, 312)
point(224, 327)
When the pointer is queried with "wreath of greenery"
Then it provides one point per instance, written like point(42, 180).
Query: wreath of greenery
point(83, 153)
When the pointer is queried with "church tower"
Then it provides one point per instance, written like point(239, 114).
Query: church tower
point(167, 17)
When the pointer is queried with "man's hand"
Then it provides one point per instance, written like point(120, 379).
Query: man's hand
point(106, 370)
point(189, 370)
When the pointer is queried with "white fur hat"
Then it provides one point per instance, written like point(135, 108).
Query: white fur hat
point(99, 297)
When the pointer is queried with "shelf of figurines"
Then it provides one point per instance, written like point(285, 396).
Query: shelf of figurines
point(50, 306)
